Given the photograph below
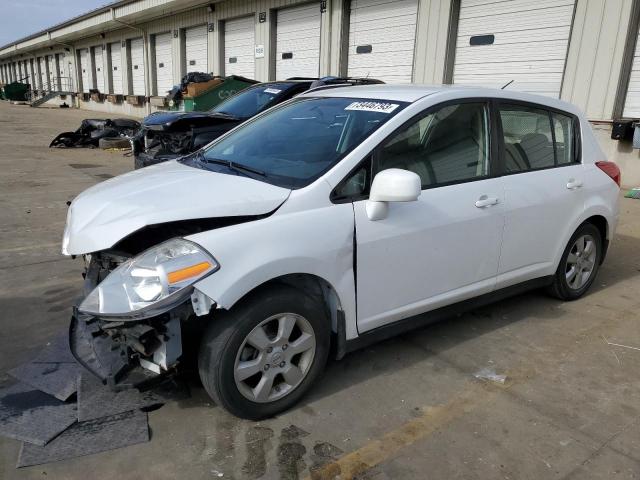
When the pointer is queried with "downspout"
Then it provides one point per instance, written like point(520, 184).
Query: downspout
point(147, 56)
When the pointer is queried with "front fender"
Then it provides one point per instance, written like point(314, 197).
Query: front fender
point(317, 242)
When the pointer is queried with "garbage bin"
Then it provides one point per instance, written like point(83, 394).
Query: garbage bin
point(16, 91)
point(204, 97)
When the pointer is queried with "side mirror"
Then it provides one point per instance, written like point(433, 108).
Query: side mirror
point(392, 185)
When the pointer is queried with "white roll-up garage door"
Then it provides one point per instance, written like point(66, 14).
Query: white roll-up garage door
point(116, 68)
point(521, 40)
point(632, 100)
point(298, 42)
point(53, 78)
point(43, 73)
point(98, 58)
point(137, 66)
point(85, 70)
point(239, 45)
point(164, 63)
point(382, 37)
point(196, 52)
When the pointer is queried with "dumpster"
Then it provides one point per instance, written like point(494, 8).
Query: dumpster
point(206, 95)
point(16, 91)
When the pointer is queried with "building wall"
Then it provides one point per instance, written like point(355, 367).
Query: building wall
point(594, 77)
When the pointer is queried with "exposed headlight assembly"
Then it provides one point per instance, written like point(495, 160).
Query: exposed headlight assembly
point(151, 283)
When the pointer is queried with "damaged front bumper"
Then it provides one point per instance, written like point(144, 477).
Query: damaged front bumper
point(126, 354)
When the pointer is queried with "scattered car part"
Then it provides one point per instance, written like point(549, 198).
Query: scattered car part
point(92, 130)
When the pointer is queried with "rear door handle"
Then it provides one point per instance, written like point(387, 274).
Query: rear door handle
point(574, 184)
point(486, 201)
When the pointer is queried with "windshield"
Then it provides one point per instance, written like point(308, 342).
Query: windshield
point(293, 145)
point(251, 101)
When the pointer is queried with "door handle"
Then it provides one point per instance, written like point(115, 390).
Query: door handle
point(574, 184)
point(485, 201)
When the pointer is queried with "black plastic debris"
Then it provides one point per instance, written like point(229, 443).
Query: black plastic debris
point(86, 438)
point(91, 130)
point(96, 400)
point(53, 371)
point(32, 416)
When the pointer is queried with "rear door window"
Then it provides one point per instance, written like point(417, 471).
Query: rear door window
point(528, 141)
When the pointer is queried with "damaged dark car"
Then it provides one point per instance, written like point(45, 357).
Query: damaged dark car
point(168, 135)
point(94, 130)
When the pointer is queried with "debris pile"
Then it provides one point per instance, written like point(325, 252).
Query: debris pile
point(60, 411)
point(103, 133)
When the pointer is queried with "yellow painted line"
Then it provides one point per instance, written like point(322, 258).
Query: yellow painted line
point(432, 419)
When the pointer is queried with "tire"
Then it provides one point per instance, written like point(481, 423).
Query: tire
point(114, 142)
point(570, 281)
point(226, 347)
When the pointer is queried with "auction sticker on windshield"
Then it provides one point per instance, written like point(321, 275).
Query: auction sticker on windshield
point(381, 107)
point(272, 90)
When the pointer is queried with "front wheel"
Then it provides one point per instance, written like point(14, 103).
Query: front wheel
point(263, 356)
point(579, 264)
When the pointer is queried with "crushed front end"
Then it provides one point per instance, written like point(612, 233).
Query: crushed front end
point(127, 349)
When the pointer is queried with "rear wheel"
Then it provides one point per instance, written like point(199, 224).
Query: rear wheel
point(263, 356)
point(579, 264)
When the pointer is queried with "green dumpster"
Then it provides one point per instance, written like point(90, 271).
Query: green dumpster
point(209, 98)
point(16, 91)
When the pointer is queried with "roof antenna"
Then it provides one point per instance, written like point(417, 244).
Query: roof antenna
point(506, 84)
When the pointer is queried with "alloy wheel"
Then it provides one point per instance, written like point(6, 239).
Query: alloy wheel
point(581, 262)
point(275, 357)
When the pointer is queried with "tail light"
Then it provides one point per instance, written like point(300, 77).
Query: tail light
point(610, 169)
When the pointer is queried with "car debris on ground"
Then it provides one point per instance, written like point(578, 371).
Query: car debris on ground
point(103, 133)
point(60, 411)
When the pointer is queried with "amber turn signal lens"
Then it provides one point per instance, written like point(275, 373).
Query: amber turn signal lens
point(188, 272)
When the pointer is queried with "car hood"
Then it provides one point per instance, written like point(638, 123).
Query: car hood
point(107, 212)
point(167, 119)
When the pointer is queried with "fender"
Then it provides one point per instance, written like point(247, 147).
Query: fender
point(317, 242)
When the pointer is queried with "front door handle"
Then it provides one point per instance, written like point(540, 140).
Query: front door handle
point(574, 184)
point(486, 201)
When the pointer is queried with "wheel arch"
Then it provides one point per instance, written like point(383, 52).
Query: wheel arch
point(601, 223)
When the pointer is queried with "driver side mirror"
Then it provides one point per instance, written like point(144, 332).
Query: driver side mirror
point(392, 185)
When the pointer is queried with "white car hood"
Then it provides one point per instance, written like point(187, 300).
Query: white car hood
point(107, 212)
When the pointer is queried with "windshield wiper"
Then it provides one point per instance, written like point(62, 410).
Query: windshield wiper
point(225, 114)
point(232, 165)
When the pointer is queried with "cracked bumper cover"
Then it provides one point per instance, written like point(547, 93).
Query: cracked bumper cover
point(114, 351)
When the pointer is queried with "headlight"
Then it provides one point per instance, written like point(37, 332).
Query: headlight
point(151, 283)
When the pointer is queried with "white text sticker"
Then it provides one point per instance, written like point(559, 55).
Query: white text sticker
point(381, 107)
point(272, 90)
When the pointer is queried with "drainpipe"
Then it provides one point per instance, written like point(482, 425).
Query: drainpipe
point(147, 56)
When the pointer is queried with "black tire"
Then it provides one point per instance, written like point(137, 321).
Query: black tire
point(560, 287)
point(227, 332)
point(114, 142)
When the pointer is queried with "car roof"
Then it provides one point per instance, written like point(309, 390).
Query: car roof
point(413, 92)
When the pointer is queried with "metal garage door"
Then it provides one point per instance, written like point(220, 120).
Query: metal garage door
point(298, 42)
point(382, 38)
point(43, 73)
point(98, 58)
point(53, 78)
point(239, 44)
point(137, 66)
point(632, 101)
point(164, 64)
point(116, 68)
point(195, 39)
point(85, 70)
point(521, 40)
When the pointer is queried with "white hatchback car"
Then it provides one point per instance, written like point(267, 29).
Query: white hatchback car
point(339, 218)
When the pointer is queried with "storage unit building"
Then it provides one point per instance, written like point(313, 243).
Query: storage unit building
point(239, 47)
point(98, 59)
point(163, 63)
point(117, 83)
point(196, 49)
point(382, 37)
point(136, 55)
point(525, 41)
point(85, 70)
point(298, 41)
